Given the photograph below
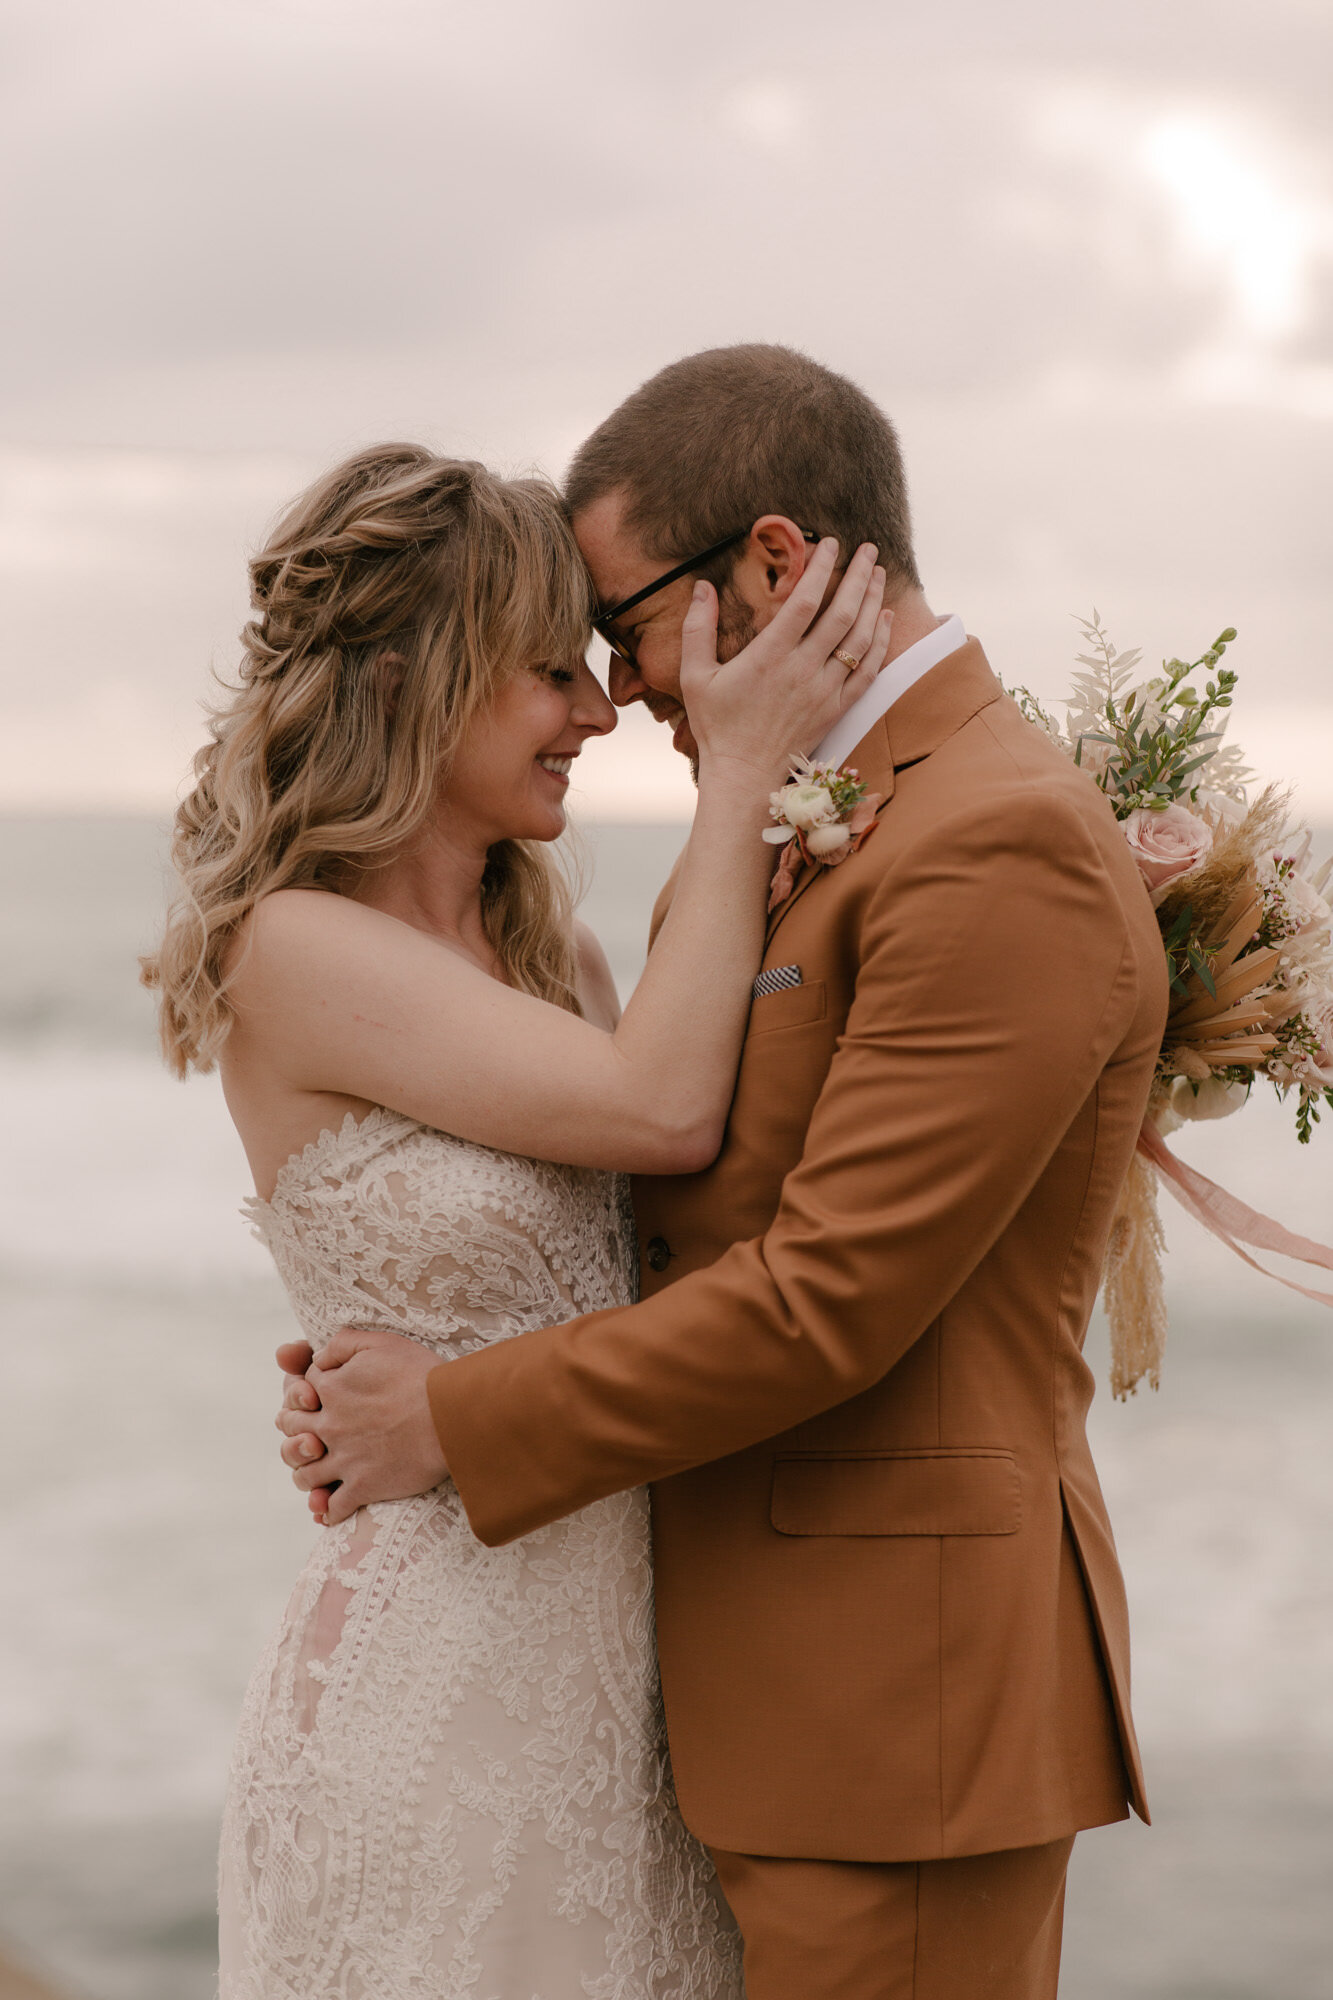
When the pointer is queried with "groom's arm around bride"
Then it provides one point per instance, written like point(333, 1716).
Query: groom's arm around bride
point(854, 1376)
point(891, 1623)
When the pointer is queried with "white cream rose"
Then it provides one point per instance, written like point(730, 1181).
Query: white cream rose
point(804, 805)
point(1213, 1098)
point(1168, 843)
point(1224, 810)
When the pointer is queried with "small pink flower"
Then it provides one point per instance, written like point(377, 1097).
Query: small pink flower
point(1307, 909)
point(1166, 844)
point(1317, 1070)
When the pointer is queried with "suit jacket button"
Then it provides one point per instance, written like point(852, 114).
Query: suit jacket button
point(659, 1253)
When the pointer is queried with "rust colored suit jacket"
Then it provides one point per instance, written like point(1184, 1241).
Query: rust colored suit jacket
point(891, 1620)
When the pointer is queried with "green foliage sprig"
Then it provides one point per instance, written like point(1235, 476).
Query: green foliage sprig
point(1186, 952)
point(1153, 731)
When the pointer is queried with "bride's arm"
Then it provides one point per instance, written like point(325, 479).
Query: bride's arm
point(349, 1000)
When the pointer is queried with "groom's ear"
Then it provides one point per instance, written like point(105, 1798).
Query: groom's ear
point(772, 562)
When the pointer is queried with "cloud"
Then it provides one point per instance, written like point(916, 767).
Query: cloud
point(1208, 207)
point(1083, 262)
point(1235, 217)
point(766, 109)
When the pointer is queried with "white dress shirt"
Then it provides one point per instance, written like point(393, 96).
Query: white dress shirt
point(889, 683)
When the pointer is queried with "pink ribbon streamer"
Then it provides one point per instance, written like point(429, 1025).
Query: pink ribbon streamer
point(1232, 1221)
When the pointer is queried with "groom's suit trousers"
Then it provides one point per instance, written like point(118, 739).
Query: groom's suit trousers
point(980, 1927)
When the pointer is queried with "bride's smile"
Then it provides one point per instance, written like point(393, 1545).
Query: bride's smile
point(510, 773)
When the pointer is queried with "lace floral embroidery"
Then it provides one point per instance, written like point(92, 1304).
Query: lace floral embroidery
point(450, 1777)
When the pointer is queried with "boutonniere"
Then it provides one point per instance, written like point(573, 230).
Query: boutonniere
point(822, 816)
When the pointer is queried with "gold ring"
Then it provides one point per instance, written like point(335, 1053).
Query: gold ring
point(847, 660)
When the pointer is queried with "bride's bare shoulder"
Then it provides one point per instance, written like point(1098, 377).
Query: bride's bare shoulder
point(289, 916)
point(303, 912)
point(293, 933)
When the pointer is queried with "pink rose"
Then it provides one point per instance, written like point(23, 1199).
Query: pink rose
point(1166, 844)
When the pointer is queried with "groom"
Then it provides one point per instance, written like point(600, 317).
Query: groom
point(892, 1627)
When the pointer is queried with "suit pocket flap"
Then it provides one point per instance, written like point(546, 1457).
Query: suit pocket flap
point(788, 1007)
point(949, 1490)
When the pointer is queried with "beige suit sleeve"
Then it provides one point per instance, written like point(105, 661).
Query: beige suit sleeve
point(997, 980)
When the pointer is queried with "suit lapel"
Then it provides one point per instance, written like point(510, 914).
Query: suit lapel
point(923, 718)
point(936, 707)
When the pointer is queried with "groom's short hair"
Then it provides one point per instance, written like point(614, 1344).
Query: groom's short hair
point(712, 442)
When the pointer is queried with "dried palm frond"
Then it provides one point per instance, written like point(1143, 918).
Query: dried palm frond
point(1133, 1290)
point(1218, 1018)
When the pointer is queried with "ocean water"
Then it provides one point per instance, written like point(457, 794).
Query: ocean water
point(153, 1533)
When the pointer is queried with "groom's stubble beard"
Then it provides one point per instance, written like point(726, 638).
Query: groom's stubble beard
point(735, 628)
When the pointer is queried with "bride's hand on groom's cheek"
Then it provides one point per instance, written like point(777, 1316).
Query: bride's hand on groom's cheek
point(357, 1425)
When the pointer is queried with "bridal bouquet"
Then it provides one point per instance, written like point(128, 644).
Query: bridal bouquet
point(1248, 937)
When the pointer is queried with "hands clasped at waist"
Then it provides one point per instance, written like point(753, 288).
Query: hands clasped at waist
point(356, 1422)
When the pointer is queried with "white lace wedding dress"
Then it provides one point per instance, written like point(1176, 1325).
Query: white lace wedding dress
point(450, 1779)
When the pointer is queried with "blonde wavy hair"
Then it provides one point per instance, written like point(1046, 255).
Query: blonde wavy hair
point(322, 762)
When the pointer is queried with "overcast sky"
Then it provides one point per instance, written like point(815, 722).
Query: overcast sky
point(1082, 253)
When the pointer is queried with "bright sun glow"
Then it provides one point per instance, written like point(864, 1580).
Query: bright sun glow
point(1235, 215)
point(1244, 209)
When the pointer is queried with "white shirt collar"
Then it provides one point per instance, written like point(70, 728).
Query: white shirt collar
point(889, 683)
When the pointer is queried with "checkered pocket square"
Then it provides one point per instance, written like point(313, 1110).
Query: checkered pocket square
point(775, 978)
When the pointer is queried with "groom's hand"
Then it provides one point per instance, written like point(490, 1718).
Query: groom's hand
point(357, 1422)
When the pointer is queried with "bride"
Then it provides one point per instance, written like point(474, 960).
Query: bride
point(450, 1777)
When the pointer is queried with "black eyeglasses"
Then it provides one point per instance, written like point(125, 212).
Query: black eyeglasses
point(604, 621)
